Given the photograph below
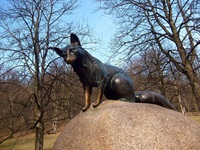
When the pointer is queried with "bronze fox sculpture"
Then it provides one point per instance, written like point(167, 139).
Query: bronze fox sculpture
point(111, 81)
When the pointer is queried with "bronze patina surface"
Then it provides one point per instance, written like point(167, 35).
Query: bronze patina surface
point(111, 81)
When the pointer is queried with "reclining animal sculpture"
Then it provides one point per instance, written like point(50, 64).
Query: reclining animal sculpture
point(153, 98)
point(111, 81)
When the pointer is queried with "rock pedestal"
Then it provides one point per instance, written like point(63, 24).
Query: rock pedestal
point(117, 125)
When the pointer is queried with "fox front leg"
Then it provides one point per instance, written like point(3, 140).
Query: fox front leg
point(100, 91)
point(87, 94)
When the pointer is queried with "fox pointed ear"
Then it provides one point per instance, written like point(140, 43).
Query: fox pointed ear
point(74, 39)
point(57, 50)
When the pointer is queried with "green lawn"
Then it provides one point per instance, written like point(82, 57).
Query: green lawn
point(27, 142)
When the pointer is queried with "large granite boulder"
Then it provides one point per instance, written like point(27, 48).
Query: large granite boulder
point(117, 125)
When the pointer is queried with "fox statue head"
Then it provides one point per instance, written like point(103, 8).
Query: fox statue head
point(71, 52)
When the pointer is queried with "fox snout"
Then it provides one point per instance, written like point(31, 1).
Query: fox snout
point(69, 56)
point(70, 60)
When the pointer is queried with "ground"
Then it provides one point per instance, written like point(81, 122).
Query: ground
point(27, 141)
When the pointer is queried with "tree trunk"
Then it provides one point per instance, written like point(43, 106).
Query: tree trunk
point(180, 100)
point(55, 125)
point(195, 85)
point(55, 105)
point(39, 136)
point(11, 119)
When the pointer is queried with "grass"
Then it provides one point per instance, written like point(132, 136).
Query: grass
point(196, 118)
point(27, 142)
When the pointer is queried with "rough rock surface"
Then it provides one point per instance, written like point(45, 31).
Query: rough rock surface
point(117, 125)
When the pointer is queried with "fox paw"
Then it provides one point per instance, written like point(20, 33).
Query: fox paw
point(85, 108)
point(95, 104)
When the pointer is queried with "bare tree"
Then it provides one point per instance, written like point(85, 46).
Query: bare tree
point(14, 98)
point(154, 65)
point(27, 29)
point(153, 70)
point(171, 26)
